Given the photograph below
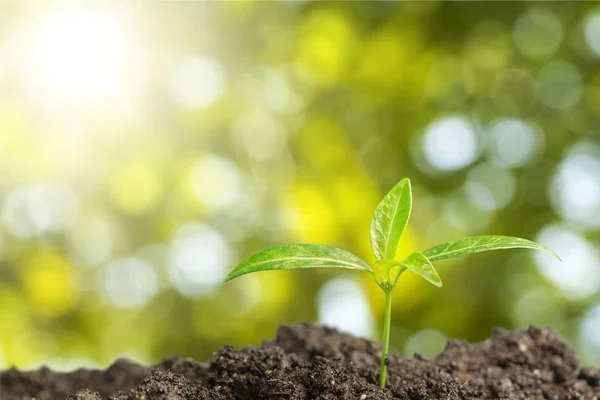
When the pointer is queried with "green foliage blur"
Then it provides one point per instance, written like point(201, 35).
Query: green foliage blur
point(147, 148)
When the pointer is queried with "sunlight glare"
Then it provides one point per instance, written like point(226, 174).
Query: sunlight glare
point(76, 55)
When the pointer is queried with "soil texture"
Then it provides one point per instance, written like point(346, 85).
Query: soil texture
point(307, 362)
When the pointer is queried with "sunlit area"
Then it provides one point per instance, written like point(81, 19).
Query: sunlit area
point(146, 148)
point(74, 56)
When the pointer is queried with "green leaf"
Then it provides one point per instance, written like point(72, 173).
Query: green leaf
point(420, 265)
point(390, 219)
point(475, 244)
point(295, 256)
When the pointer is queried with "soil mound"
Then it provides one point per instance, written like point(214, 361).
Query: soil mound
point(307, 362)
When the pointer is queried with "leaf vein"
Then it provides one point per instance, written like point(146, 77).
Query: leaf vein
point(273, 260)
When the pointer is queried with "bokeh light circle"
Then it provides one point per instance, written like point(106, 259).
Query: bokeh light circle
point(450, 144)
point(343, 304)
point(591, 32)
point(578, 275)
point(216, 181)
point(575, 188)
point(427, 343)
point(130, 282)
point(199, 259)
point(538, 32)
point(588, 334)
point(35, 210)
point(197, 82)
point(513, 142)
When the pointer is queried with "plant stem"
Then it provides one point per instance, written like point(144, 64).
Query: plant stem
point(385, 341)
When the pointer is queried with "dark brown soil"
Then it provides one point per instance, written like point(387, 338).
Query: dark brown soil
point(316, 363)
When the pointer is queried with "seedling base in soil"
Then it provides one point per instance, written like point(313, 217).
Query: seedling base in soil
point(307, 362)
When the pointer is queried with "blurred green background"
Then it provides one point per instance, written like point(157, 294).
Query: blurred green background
point(148, 147)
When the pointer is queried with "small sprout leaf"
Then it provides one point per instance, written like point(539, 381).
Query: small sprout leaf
point(475, 244)
point(390, 219)
point(420, 265)
point(295, 256)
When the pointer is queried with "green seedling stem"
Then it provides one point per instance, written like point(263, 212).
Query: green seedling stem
point(385, 340)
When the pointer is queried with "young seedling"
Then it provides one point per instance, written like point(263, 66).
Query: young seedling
point(387, 227)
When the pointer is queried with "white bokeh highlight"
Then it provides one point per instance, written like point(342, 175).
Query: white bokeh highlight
point(198, 261)
point(35, 210)
point(216, 181)
point(91, 241)
point(513, 142)
point(450, 144)
point(578, 276)
point(427, 343)
point(588, 335)
point(343, 304)
point(197, 82)
point(130, 282)
point(591, 33)
point(575, 188)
